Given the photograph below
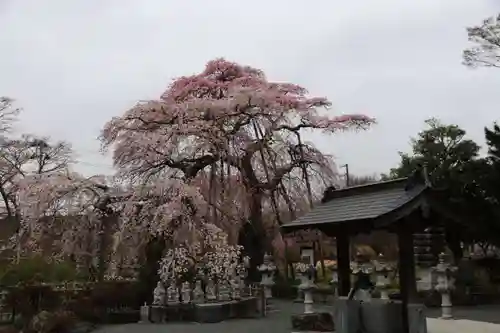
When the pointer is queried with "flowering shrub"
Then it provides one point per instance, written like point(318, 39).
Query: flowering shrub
point(223, 262)
point(177, 265)
point(219, 264)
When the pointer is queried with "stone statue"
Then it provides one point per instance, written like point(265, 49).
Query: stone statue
point(198, 294)
point(210, 290)
point(235, 288)
point(159, 294)
point(224, 291)
point(186, 293)
point(172, 293)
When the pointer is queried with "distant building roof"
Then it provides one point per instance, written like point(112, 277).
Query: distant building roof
point(364, 202)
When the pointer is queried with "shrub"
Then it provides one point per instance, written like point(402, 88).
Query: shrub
point(59, 321)
point(104, 302)
point(285, 290)
point(27, 300)
point(37, 269)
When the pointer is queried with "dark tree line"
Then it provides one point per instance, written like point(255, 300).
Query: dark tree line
point(455, 166)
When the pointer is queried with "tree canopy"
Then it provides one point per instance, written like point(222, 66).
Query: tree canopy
point(216, 151)
point(454, 165)
point(486, 40)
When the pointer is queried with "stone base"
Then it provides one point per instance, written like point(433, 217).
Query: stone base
point(347, 315)
point(380, 316)
point(377, 316)
point(205, 312)
point(220, 311)
point(317, 322)
point(211, 312)
point(157, 314)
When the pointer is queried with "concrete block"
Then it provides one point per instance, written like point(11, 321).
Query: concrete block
point(346, 315)
point(211, 312)
point(157, 314)
point(381, 316)
point(416, 318)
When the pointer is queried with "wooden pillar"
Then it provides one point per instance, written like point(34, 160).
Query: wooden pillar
point(343, 262)
point(407, 277)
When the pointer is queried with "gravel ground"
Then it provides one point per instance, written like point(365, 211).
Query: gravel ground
point(279, 321)
point(276, 322)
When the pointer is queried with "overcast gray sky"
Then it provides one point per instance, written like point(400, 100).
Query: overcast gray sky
point(72, 65)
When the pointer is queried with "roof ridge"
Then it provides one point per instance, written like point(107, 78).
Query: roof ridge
point(331, 192)
point(397, 180)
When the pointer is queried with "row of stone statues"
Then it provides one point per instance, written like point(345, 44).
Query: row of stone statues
point(205, 289)
point(187, 292)
point(209, 290)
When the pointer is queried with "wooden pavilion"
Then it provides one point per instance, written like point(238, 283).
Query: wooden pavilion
point(402, 206)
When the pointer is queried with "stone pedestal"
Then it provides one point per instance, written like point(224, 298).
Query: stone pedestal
point(300, 294)
point(157, 314)
point(313, 322)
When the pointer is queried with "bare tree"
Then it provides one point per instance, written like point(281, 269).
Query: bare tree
point(8, 113)
point(27, 156)
point(486, 38)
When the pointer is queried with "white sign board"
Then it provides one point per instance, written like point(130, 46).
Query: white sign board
point(308, 253)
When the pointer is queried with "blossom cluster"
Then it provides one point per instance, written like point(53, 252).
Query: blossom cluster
point(301, 267)
point(176, 264)
point(223, 263)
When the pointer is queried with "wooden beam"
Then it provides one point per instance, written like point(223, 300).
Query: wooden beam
point(407, 276)
point(343, 262)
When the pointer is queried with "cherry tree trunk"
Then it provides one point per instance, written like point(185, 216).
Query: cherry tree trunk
point(253, 237)
point(148, 274)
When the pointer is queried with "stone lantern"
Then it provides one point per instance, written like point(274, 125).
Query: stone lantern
point(307, 287)
point(382, 271)
point(144, 314)
point(362, 269)
point(301, 269)
point(445, 284)
point(267, 270)
point(334, 282)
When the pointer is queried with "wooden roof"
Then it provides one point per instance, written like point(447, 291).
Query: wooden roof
point(368, 203)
